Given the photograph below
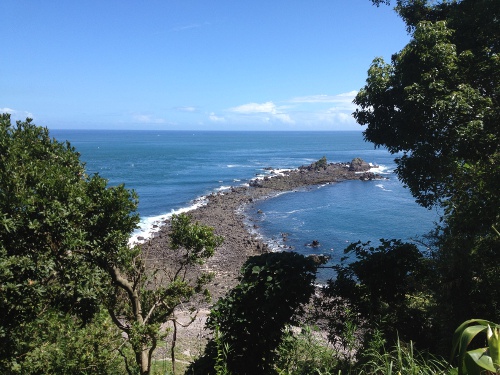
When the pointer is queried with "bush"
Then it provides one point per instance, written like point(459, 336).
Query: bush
point(250, 319)
point(383, 288)
point(62, 346)
point(305, 352)
point(402, 359)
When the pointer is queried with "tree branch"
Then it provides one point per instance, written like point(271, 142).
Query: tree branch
point(126, 285)
point(117, 322)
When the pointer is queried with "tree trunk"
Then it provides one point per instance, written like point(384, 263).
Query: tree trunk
point(144, 361)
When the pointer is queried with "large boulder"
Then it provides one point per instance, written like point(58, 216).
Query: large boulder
point(359, 165)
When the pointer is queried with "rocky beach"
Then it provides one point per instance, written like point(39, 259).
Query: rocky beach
point(224, 212)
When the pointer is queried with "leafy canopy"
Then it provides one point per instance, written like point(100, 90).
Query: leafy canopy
point(59, 230)
point(383, 287)
point(64, 255)
point(436, 107)
point(250, 319)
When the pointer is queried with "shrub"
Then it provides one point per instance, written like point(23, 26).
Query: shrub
point(272, 289)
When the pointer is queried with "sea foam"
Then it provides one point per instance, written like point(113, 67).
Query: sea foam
point(149, 226)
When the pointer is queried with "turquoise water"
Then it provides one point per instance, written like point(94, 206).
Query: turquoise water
point(171, 171)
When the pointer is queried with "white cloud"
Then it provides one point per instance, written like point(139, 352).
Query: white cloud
point(16, 114)
point(187, 109)
point(265, 112)
point(268, 107)
point(214, 118)
point(285, 118)
point(335, 116)
point(334, 111)
point(148, 119)
point(313, 111)
point(347, 97)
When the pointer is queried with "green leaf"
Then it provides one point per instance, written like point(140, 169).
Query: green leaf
point(457, 340)
point(476, 361)
point(467, 336)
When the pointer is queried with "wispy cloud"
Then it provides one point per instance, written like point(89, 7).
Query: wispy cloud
point(312, 111)
point(335, 115)
point(268, 107)
point(347, 97)
point(187, 109)
point(267, 111)
point(148, 119)
point(17, 114)
point(214, 118)
point(190, 26)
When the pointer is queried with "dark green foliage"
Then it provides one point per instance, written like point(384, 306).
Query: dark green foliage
point(304, 352)
point(59, 230)
point(415, 11)
point(385, 288)
point(321, 163)
point(437, 102)
point(402, 358)
point(62, 345)
point(198, 241)
point(250, 319)
point(64, 249)
point(437, 105)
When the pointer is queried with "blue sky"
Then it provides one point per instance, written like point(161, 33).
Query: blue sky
point(191, 64)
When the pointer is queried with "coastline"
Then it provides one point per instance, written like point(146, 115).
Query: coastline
point(224, 212)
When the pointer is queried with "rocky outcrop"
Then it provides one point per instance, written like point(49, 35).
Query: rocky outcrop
point(368, 176)
point(313, 175)
point(359, 165)
point(223, 212)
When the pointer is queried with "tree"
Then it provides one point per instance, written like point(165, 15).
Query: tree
point(383, 288)
point(437, 102)
point(250, 319)
point(436, 107)
point(57, 227)
point(320, 164)
point(64, 249)
point(146, 295)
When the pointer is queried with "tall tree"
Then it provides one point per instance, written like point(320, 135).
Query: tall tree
point(436, 107)
point(57, 227)
point(64, 248)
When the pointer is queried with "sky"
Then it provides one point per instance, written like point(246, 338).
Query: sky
point(191, 64)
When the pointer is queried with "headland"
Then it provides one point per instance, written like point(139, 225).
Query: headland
point(224, 212)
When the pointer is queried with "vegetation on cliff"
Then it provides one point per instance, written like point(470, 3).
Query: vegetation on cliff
point(75, 298)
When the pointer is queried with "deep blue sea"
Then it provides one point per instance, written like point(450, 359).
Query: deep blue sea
point(172, 170)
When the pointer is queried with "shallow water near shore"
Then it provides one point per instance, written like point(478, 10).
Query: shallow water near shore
point(338, 214)
point(172, 171)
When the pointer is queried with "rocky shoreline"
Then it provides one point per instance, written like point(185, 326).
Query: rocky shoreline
point(224, 212)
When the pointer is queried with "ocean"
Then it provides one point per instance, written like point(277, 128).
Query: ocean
point(173, 170)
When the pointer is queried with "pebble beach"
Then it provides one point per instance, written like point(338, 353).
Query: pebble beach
point(224, 211)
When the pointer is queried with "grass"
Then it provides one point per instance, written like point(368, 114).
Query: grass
point(403, 359)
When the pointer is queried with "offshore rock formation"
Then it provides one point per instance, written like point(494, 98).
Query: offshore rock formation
point(359, 165)
point(308, 175)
